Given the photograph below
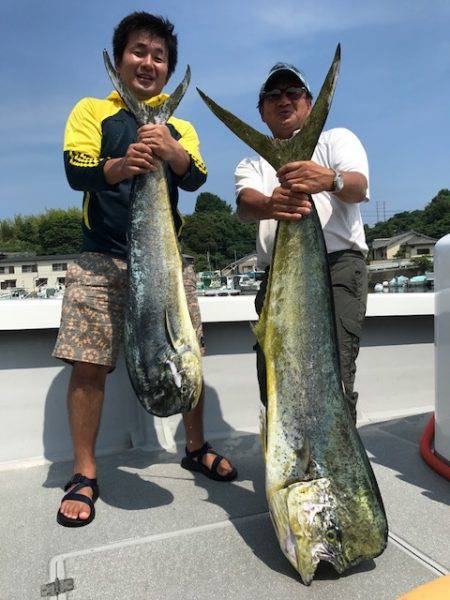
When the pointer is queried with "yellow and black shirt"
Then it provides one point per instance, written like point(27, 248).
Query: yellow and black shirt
point(99, 129)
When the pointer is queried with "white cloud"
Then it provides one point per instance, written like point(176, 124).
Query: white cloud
point(322, 16)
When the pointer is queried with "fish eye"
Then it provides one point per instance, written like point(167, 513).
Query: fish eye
point(331, 536)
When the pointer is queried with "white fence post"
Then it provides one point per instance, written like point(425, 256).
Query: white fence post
point(442, 346)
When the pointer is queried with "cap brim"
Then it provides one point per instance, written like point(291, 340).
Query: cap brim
point(284, 71)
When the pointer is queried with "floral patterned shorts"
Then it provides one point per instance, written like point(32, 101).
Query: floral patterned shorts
point(93, 309)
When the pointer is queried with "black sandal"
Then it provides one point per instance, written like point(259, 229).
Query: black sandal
point(190, 464)
point(80, 482)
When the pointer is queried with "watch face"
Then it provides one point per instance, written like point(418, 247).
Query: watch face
point(338, 182)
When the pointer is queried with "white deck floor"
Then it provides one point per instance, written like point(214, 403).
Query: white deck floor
point(162, 533)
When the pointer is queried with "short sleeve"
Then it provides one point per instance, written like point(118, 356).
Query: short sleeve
point(248, 175)
point(83, 132)
point(347, 153)
point(196, 173)
point(82, 146)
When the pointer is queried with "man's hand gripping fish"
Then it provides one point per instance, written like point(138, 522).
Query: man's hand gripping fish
point(323, 498)
point(161, 348)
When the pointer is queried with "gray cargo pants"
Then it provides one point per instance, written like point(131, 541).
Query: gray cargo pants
point(349, 281)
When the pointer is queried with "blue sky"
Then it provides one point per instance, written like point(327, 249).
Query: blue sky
point(393, 92)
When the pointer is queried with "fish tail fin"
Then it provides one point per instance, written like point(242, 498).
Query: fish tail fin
point(143, 112)
point(302, 145)
point(170, 105)
point(262, 144)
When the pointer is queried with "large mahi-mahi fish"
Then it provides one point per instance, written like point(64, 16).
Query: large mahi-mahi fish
point(323, 498)
point(161, 348)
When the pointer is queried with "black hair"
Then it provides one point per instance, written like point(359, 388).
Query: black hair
point(151, 24)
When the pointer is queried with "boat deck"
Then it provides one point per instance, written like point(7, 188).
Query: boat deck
point(162, 533)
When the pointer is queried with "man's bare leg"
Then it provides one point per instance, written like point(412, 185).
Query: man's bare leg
point(85, 400)
point(193, 425)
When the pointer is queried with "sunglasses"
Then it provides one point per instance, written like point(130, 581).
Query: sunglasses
point(293, 93)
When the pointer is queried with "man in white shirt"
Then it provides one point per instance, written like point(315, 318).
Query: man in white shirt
point(337, 179)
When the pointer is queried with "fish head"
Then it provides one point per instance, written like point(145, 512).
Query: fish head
point(177, 379)
point(309, 530)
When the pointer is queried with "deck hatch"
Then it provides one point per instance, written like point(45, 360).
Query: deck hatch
point(59, 586)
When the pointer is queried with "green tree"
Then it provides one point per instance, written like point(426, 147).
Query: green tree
point(214, 231)
point(423, 263)
point(60, 231)
point(207, 202)
point(56, 231)
point(433, 220)
point(436, 216)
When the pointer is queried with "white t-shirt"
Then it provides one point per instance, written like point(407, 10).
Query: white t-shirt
point(342, 224)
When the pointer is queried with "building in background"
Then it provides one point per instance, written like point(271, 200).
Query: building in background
point(246, 264)
point(405, 245)
point(33, 273)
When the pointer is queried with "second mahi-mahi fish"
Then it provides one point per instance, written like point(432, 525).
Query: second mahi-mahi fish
point(322, 494)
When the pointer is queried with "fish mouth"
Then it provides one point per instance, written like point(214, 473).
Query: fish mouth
point(335, 560)
point(307, 566)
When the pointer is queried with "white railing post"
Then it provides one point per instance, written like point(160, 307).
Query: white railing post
point(442, 346)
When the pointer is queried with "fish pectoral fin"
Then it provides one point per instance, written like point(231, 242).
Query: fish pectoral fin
point(172, 338)
point(258, 331)
point(304, 455)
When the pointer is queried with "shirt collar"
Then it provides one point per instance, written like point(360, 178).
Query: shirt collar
point(155, 101)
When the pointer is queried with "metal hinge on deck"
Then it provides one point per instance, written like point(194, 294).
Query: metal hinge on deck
point(59, 586)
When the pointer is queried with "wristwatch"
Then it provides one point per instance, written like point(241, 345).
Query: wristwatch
point(338, 182)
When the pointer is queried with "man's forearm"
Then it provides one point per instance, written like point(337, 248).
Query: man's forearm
point(308, 177)
point(113, 170)
point(252, 205)
point(355, 188)
point(180, 161)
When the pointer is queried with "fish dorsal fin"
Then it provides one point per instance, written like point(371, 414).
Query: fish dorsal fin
point(302, 145)
point(143, 112)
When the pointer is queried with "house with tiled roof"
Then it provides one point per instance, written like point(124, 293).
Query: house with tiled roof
point(403, 245)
